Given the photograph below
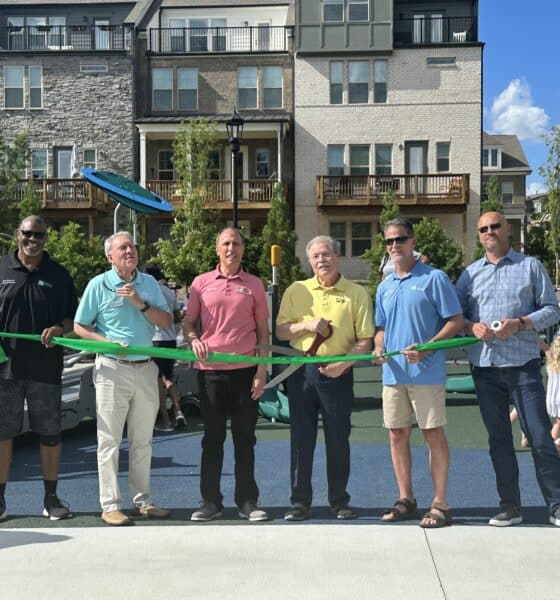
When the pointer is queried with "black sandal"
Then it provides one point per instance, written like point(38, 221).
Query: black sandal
point(443, 520)
point(409, 512)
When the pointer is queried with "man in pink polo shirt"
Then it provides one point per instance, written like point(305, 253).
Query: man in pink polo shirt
point(229, 309)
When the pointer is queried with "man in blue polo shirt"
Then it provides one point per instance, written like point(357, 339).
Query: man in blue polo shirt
point(123, 305)
point(415, 304)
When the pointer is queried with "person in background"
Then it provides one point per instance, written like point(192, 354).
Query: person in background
point(37, 295)
point(552, 354)
point(387, 265)
point(125, 306)
point(516, 290)
point(167, 338)
point(227, 311)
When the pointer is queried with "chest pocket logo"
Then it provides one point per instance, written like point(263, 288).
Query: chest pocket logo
point(43, 283)
point(340, 299)
point(243, 290)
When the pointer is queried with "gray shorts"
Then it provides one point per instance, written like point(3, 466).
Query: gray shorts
point(44, 401)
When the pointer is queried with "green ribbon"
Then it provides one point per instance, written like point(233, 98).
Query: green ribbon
point(221, 357)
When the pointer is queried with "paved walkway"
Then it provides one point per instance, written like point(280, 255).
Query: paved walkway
point(258, 561)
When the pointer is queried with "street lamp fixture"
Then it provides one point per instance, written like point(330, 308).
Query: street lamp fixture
point(234, 127)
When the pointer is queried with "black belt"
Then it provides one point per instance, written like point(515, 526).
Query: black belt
point(123, 361)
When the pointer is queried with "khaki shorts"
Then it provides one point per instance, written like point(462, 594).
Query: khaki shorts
point(401, 401)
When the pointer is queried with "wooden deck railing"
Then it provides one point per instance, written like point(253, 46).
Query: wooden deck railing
point(67, 194)
point(251, 191)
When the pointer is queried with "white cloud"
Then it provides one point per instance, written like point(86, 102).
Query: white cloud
point(514, 113)
point(536, 187)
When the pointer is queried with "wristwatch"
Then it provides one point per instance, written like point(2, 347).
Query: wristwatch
point(522, 324)
point(145, 308)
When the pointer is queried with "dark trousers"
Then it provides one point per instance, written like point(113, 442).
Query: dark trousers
point(311, 393)
point(495, 388)
point(223, 394)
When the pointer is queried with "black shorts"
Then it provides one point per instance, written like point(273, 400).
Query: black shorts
point(44, 401)
point(165, 365)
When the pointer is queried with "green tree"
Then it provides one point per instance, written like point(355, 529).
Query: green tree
point(536, 245)
point(550, 172)
point(252, 254)
point(84, 258)
point(374, 256)
point(443, 253)
point(279, 231)
point(13, 161)
point(30, 203)
point(190, 250)
point(492, 197)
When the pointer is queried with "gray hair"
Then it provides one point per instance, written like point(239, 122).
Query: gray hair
point(108, 244)
point(323, 239)
point(400, 222)
point(35, 218)
point(236, 229)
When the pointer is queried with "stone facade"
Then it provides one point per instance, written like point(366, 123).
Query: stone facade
point(424, 104)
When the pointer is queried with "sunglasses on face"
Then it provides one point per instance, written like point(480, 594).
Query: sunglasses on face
point(492, 227)
point(40, 235)
point(401, 239)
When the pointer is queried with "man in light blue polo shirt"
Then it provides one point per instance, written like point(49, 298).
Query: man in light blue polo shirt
point(123, 305)
point(415, 304)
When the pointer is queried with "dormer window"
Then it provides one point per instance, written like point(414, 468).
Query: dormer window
point(492, 157)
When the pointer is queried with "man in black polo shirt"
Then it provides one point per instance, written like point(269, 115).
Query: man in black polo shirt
point(37, 295)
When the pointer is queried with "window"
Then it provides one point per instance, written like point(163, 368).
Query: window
point(15, 33)
point(440, 61)
point(358, 80)
point(361, 238)
point(442, 152)
point(35, 87)
point(507, 192)
point(219, 34)
point(262, 162)
point(383, 154)
point(39, 163)
point(380, 76)
point(162, 85)
point(338, 232)
point(37, 33)
point(199, 35)
point(165, 165)
point(247, 87)
point(333, 10)
point(336, 70)
point(94, 68)
point(359, 160)
point(57, 32)
point(335, 160)
point(13, 87)
point(491, 158)
point(272, 87)
point(358, 10)
point(214, 165)
point(90, 158)
point(187, 88)
point(177, 34)
point(436, 28)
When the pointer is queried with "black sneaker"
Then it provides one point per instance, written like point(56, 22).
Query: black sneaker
point(554, 517)
point(3, 512)
point(298, 512)
point(250, 511)
point(345, 513)
point(207, 512)
point(55, 509)
point(510, 516)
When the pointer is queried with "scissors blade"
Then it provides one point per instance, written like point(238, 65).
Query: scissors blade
point(281, 376)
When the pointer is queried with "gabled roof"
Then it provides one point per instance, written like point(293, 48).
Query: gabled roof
point(513, 157)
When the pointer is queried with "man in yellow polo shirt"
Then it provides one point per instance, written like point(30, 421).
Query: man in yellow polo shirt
point(310, 309)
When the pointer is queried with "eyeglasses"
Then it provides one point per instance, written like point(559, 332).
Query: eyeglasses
point(492, 227)
point(40, 235)
point(397, 240)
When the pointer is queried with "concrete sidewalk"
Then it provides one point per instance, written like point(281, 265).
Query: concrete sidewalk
point(281, 562)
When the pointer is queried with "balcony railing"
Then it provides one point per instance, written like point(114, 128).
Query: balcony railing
point(364, 190)
point(196, 40)
point(67, 194)
point(44, 38)
point(252, 192)
point(435, 30)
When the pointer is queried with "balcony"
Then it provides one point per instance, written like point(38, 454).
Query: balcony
point(57, 38)
point(220, 40)
point(67, 194)
point(368, 190)
point(253, 193)
point(435, 30)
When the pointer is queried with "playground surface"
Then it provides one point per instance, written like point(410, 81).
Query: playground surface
point(321, 558)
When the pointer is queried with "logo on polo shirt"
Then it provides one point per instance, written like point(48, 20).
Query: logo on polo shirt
point(8, 281)
point(340, 299)
point(243, 290)
point(44, 283)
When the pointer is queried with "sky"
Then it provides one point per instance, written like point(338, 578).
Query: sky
point(522, 73)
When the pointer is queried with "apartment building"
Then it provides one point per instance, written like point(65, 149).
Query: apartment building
point(388, 96)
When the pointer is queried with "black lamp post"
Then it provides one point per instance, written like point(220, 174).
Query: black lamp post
point(234, 130)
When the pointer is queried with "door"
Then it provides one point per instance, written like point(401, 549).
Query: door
point(263, 34)
point(242, 171)
point(63, 170)
point(416, 164)
point(102, 41)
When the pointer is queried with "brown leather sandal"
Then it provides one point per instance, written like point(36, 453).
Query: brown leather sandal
point(443, 520)
point(410, 511)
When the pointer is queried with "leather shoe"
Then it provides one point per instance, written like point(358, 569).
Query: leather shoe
point(151, 511)
point(115, 518)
